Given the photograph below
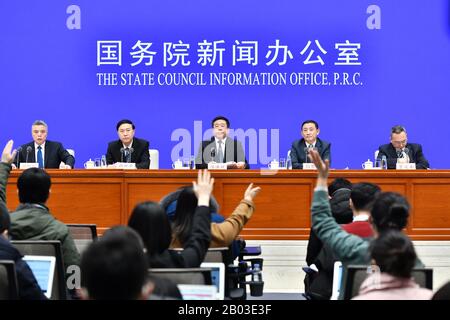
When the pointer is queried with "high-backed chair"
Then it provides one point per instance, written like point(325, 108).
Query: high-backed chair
point(47, 248)
point(183, 275)
point(8, 280)
point(355, 276)
point(154, 158)
point(83, 234)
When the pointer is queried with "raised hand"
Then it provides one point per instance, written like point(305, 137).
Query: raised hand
point(203, 187)
point(8, 155)
point(251, 192)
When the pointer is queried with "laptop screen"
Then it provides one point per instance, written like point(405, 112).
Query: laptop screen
point(198, 292)
point(217, 277)
point(337, 280)
point(43, 268)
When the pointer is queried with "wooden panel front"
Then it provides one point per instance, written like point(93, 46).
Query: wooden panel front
point(106, 197)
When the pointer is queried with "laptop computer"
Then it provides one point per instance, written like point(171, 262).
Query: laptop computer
point(217, 277)
point(43, 268)
point(198, 292)
point(337, 280)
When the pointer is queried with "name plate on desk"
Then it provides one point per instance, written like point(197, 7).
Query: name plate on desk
point(405, 166)
point(309, 166)
point(217, 166)
point(27, 165)
point(125, 165)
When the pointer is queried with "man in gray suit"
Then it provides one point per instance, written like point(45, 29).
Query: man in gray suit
point(221, 148)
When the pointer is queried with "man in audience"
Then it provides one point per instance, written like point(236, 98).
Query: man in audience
point(128, 148)
point(48, 154)
point(399, 150)
point(115, 267)
point(300, 148)
point(27, 284)
point(221, 148)
point(32, 219)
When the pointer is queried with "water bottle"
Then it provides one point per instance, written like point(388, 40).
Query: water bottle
point(103, 162)
point(257, 274)
point(289, 162)
point(383, 162)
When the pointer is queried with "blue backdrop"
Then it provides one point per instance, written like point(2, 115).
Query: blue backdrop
point(49, 71)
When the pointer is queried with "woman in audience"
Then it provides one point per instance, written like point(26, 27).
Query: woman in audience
point(443, 293)
point(222, 234)
point(394, 255)
point(152, 224)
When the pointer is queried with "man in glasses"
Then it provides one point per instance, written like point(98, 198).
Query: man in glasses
point(399, 150)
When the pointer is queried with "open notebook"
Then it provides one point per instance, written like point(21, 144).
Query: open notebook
point(43, 268)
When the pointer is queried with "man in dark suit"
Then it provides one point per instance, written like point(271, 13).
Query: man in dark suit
point(128, 148)
point(48, 154)
point(221, 148)
point(300, 148)
point(399, 150)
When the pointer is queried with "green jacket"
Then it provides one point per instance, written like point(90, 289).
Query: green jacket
point(348, 248)
point(34, 222)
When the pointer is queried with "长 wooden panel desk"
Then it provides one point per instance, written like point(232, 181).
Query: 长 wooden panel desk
point(106, 197)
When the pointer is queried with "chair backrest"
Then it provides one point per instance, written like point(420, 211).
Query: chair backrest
point(355, 275)
point(8, 280)
point(154, 158)
point(47, 248)
point(83, 235)
point(220, 254)
point(183, 275)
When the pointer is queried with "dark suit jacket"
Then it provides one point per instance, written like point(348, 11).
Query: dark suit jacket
point(233, 152)
point(140, 155)
point(415, 155)
point(298, 154)
point(53, 155)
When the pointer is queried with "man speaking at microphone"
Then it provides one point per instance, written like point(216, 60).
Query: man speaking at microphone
point(128, 148)
point(48, 154)
point(399, 150)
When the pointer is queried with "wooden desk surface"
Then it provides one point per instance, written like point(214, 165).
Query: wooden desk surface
point(106, 197)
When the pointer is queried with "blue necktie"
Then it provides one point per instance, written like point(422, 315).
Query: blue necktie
point(40, 160)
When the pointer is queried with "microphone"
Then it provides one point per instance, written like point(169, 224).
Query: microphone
point(130, 150)
point(29, 148)
point(19, 149)
point(122, 150)
point(213, 153)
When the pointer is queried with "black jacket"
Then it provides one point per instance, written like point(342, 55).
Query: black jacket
point(195, 249)
point(233, 152)
point(415, 155)
point(298, 154)
point(28, 286)
point(140, 154)
point(53, 155)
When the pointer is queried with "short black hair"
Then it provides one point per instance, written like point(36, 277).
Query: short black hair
point(394, 253)
point(124, 121)
point(310, 121)
point(5, 221)
point(220, 118)
point(34, 186)
point(338, 183)
point(364, 194)
point(115, 267)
